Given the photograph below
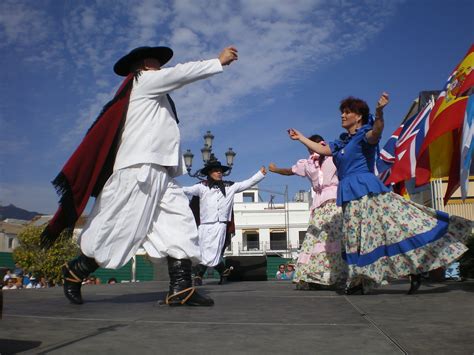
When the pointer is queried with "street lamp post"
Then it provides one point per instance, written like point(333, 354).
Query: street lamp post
point(207, 156)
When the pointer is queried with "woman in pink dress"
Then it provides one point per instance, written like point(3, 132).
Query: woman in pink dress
point(319, 262)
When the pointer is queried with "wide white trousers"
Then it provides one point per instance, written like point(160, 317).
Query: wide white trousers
point(140, 206)
point(211, 241)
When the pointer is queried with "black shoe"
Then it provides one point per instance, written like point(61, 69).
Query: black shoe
point(355, 290)
point(71, 286)
point(302, 286)
point(181, 291)
point(197, 281)
point(309, 286)
point(320, 287)
point(188, 297)
point(227, 271)
point(224, 275)
point(199, 271)
point(415, 283)
point(73, 274)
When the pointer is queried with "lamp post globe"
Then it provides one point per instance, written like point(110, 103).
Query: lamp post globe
point(207, 156)
point(230, 155)
point(208, 138)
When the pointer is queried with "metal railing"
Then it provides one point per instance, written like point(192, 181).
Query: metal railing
point(271, 247)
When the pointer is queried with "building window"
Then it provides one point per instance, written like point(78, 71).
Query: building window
point(302, 235)
point(252, 241)
point(10, 242)
point(248, 197)
point(278, 241)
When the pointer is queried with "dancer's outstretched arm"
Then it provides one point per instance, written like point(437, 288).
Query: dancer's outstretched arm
point(282, 171)
point(246, 184)
point(373, 136)
point(315, 147)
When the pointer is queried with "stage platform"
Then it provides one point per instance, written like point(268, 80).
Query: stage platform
point(267, 317)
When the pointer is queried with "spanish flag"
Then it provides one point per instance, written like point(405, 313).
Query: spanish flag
point(440, 153)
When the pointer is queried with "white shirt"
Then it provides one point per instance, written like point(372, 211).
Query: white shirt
point(150, 133)
point(213, 205)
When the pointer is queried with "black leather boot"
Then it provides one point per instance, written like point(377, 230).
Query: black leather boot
point(223, 272)
point(199, 271)
point(73, 273)
point(181, 289)
point(415, 283)
point(355, 289)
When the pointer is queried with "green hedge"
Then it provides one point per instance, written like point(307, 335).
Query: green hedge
point(144, 271)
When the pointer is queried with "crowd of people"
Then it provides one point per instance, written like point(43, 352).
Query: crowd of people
point(17, 279)
point(360, 233)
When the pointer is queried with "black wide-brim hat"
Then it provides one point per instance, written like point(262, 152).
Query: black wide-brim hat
point(214, 165)
point(123, 65)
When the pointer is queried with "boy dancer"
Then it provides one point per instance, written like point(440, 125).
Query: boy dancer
point(216, 198)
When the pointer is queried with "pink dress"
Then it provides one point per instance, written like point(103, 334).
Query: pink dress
point(319, 260)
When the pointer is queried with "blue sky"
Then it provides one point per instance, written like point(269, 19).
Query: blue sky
point(298, 59)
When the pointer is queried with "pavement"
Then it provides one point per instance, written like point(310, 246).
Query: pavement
point(266, 317)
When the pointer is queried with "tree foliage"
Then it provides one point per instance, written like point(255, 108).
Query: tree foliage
point(44, 263)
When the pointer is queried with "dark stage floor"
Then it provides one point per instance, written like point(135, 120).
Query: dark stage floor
point(248, 318)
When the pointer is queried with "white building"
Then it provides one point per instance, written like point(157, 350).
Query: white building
point(268, 228)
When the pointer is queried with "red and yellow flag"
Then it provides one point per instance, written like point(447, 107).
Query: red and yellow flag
point(439, 154)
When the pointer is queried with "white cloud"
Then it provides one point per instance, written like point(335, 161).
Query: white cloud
point(78, 41)
point(22, 25)
point(184, 36)
point(291, 10)
point(279, 42)
point(32, 33)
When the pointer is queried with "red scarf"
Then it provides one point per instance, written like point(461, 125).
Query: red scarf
point(89, 167)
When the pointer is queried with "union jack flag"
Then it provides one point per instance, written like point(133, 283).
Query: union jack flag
point(387, 155)
point(397, 160)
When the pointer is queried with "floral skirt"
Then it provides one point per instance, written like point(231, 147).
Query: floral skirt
point(320, 260)
point(387, 237)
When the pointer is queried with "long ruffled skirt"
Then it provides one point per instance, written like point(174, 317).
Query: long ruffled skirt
point(387, 237)
point(320, 260)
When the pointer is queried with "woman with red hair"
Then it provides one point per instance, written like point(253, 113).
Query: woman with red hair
point(385, 236)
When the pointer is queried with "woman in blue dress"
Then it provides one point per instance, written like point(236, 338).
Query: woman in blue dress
point(385, 236)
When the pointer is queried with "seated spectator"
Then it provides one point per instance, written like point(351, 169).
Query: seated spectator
point(18, 282)
point(281, 273)
point(18, 270)
point(26, 280)
point(112, 280)
point(92, 280)
point(290, 271)
point(7, 276)
point(89, 281)
point(10, 285)
point(33, 282)
point(43, 282)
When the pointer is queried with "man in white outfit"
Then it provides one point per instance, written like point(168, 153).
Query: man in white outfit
point(141, 204)
point(216, 200)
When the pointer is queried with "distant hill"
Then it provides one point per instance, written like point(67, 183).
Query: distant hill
point(11, 211)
